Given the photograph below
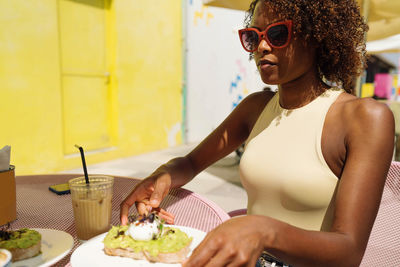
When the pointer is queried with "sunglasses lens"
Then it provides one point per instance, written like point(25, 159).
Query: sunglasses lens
point(249, 40)
point(278, 35)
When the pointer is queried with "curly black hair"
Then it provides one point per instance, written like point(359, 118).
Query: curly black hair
point(338, 29)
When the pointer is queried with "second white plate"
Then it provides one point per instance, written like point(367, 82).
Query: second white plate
point(91, 252)
point(55, 245)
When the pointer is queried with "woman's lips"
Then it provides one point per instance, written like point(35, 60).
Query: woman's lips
point(264, 64)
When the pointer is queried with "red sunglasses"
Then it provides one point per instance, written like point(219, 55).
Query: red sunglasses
point(277, 35)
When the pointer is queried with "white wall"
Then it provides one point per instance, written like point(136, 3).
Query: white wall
point(219, 72)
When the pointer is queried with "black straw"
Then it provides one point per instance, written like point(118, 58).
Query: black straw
point(83, 163)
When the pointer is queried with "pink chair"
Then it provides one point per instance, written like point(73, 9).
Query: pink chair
point(384, 242)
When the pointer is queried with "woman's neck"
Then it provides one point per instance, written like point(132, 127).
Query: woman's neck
point(301, 91)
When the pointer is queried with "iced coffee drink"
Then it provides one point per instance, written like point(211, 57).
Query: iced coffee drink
point(92, 205)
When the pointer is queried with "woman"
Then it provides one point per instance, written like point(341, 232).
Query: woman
point(316, 156)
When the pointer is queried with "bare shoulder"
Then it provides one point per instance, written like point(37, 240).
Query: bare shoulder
point(260, 98)
point(250, 108)
point(365, 118)
point(364, 110)
point(254, 104)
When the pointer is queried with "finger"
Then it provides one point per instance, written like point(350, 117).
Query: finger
point(124, 211)
point(142, 208)
point(241, 259)
point(161, 188)
point(125, 206)
point(166, 213)
point(222, 258)
point(166, 216)
point(201, 255)
point(167, 220)
point(245, 257)
point(253, 260)
point(124, 215)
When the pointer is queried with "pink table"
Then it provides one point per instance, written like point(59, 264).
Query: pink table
point(37, 207)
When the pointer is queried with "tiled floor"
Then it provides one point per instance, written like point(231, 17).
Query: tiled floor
point(219, 183)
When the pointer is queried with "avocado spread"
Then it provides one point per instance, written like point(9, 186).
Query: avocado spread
point(172, 240)
point(22, 238)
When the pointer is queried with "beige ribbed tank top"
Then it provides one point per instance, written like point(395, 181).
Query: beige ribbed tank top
point(283, 170)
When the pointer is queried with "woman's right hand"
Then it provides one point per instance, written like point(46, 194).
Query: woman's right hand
point(147, 195)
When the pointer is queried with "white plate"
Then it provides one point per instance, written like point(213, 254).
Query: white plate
point(91, 253)
point(55, 245)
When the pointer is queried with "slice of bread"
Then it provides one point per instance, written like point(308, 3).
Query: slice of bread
point(25, 253)
point(167, 249)
point(24, 243)
point(173, 257)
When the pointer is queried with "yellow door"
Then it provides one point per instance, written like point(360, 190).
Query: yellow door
point(85, 79)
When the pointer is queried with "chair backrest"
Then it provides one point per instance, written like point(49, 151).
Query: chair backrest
point(384, 243)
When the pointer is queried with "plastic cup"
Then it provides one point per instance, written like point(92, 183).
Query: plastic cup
point(92, 205)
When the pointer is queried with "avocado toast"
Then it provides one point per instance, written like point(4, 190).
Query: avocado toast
point(23, 243)
point(148, 239)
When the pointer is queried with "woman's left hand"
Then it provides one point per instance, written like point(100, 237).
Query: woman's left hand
point(237, 242)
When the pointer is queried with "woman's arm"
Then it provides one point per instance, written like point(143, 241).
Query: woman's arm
point(232, 132)
point(369, 143)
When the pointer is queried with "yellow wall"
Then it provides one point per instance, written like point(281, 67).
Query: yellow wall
point(148, 71)
point(144, 94)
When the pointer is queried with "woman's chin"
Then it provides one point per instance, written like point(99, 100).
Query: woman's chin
point(270, 80)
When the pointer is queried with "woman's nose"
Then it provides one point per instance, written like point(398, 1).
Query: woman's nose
point(264, 47)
